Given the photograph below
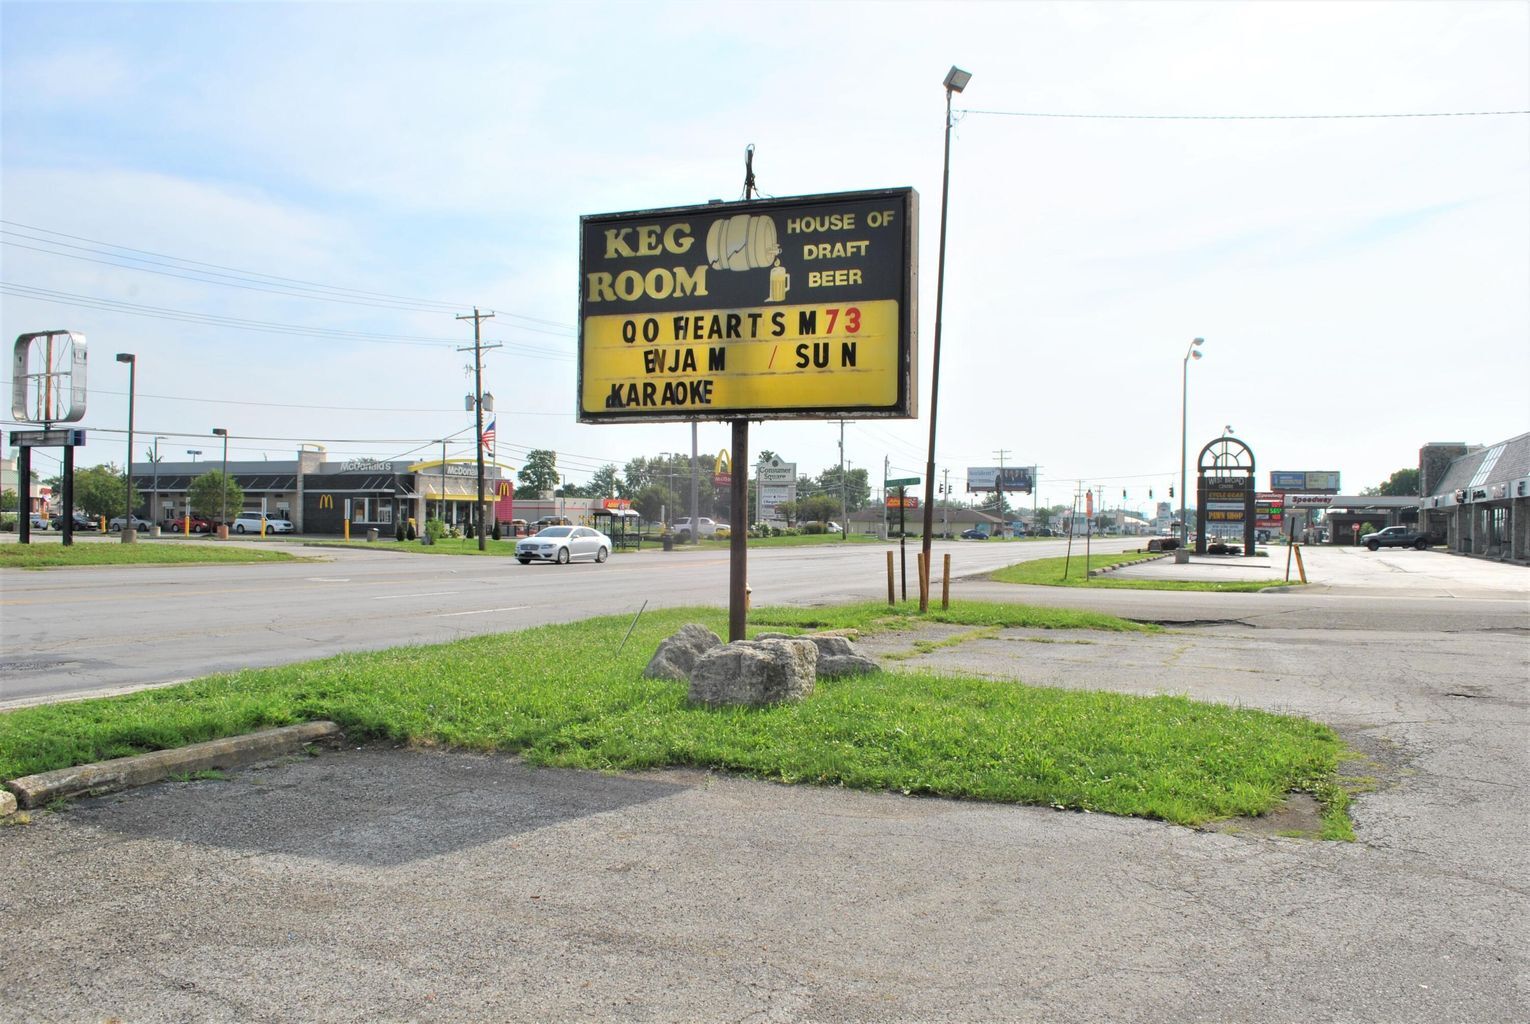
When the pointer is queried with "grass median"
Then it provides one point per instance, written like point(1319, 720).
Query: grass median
point(49, 556)
point(1048, 572)
point(563, 696)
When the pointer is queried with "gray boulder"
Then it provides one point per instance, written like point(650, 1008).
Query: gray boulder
point(678, 654)
point(755, 672)
point(837, 656)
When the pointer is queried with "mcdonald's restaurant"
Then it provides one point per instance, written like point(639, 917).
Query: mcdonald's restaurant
point(320, 497)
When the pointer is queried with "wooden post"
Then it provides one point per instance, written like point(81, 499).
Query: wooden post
point(738, 542)
point(945, 583)
point(1300, 568)
point(891, 596)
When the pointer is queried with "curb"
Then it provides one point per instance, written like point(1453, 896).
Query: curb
point(142, 769)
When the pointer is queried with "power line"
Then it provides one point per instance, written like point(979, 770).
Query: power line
point(160, 258)
point(1244, 117)
point(260, 326)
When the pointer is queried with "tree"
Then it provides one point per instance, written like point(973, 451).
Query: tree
point(1402, 484)
point(8, 500)
point(540, 473)
point(606, 484)
point(765, 455)
point(820, 508)
point(787, 510)
point(857, 487)
point(652, 501)
point(210, 495)
point(1043, 517)
point(102, 491)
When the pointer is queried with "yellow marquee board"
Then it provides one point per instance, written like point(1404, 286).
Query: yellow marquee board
point(800, 308)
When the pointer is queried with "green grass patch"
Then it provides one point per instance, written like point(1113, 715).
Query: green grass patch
point(52, 555)
point(878, 616)
point(562, 696)
point(1048, 572)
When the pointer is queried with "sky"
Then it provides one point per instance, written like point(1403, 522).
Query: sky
point(348, 177)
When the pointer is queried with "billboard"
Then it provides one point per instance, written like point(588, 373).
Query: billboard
point(1320, 481)
point(801, 308)
point(1000, 478)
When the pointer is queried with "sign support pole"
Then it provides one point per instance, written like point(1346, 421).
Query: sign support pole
point(903, 538)
point(738, 541)
point(24, 493)
point(66, 515)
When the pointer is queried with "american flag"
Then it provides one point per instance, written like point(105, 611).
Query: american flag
point(487, 440)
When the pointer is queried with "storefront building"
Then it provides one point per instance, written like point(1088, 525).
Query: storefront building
point(1480, 500)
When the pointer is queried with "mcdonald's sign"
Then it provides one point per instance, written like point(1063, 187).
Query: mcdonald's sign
point(722, 469)
point(326, 501)
point(506, 488)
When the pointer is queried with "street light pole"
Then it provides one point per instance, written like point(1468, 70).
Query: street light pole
point(128, 534)
point(1194, 351)
point(956, 80)
point(223, 488)
point(154, 501)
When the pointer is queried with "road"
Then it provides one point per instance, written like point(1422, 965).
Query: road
point(82, 631)
point(79, 631)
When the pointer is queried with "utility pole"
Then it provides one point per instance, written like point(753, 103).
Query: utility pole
point(695, 490)
point(844, 512)
point(1035, 490)
point(886, 467)
point(442, 509)
point(478, 347)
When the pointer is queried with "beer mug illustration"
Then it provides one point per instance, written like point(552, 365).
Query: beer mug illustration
point(780, 281)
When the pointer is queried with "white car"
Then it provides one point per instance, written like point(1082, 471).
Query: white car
point(564, 544)
point(251, 522)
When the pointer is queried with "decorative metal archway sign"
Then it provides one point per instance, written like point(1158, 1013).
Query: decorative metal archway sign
point(1225, 491)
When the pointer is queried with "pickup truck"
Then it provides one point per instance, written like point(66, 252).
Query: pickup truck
point(705, 528)
point(1398, 537)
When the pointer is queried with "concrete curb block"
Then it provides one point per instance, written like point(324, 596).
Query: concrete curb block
point(7, 804)
point(142, 769)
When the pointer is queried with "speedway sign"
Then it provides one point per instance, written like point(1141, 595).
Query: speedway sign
point(801, 308)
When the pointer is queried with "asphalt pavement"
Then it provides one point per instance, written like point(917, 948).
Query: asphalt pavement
point(391, 885)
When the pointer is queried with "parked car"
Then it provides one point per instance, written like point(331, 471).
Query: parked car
point(1398, 537)
point(564, 544)
point(39, 521)
point(705, 528)
point(546, 521)
point(251, 522)
point(177, 525)
point(81, 522)
point(118, 522)
point(1043, 532)
point(974, 535)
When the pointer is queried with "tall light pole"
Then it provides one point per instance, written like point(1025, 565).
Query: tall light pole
point(154, 501)
point(1193, 352)
point(193, 452)
point(223, 488)
point(956, 80)
point(128, 533)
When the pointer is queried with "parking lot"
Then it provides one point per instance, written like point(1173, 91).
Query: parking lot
point(382, 884)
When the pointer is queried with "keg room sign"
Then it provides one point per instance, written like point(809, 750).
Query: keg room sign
point(800, 308)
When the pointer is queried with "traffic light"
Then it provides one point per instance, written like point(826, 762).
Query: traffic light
point(1123, 494)
point(1171, 490)
point(1150, 494)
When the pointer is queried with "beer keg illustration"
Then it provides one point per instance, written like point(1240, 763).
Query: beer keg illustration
point(748, 242)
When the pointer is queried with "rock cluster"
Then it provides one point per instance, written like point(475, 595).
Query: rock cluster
point(770, 669)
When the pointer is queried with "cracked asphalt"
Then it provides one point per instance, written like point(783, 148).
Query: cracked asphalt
point(395, 885)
